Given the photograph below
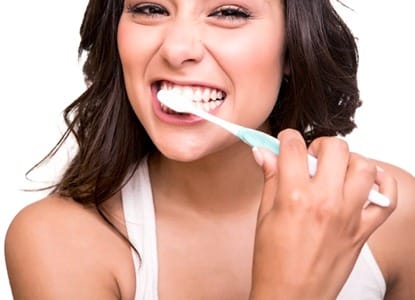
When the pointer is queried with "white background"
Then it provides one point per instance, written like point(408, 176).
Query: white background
point(40, 75)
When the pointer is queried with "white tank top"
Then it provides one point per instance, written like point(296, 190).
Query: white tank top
point(364, 283)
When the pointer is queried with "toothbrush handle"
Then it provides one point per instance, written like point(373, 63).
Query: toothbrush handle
point(374, 196)
point(260, 139)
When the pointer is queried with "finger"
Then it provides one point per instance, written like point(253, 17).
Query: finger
point(360, 178)
point(268, 161)
point(374, 215)
point(333, 159)
point(292, 160)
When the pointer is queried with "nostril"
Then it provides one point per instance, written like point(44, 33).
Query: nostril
point(182, 48)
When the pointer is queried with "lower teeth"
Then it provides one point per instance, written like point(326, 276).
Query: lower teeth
point(206, 106)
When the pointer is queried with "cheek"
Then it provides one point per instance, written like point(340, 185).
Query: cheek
point(254, 63)
point(263, 59)
point(255, 55)
point(134, 55)
point(135, 47)
point(130, 56)
point(129, 50)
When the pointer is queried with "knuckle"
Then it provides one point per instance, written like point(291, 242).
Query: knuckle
point(363, 166)
point(290, 134)
point(291, 139)
point(334, 143)
point(322, 205)
point(296, 197)
point(327, 207)
point(339, 145)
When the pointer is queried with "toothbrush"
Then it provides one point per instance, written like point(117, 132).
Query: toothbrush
point(255, 138)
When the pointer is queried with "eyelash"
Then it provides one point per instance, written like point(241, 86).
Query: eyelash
point(231, 13)
point(147, 9)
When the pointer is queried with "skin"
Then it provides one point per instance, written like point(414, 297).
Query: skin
point(193, 57)
point(255, 215)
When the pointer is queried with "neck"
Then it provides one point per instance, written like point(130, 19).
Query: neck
point(229, 182)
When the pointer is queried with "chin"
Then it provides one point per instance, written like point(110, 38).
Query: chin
point(189, 152)
point(181, 155)
point(180, 150)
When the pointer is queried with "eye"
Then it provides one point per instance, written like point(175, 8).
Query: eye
point(148, 9)
point(232, 13)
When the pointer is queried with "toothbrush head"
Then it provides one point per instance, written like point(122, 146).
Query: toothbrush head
point(175, 101)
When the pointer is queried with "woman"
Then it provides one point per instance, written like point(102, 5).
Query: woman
point(205, 218)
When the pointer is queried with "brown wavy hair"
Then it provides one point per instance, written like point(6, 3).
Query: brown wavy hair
point(318, 98)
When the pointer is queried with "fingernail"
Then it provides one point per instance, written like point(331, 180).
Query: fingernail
point(259, 158)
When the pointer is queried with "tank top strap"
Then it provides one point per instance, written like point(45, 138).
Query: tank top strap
point(138, 207)
point(366, 281)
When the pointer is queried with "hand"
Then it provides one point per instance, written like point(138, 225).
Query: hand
point(310, 230)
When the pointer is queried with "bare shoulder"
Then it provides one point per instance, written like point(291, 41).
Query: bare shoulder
point(58, 249)
point(403, 218)
point(394, 242)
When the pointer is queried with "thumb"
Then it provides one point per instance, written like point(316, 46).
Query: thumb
point(268, 162)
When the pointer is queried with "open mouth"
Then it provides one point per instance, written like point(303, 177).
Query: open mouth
point(203, 97)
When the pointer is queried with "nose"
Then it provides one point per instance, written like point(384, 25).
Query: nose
point(182, 44)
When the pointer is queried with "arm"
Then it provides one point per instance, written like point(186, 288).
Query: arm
point(310, 230)
point(49, 256)
point(394, 243)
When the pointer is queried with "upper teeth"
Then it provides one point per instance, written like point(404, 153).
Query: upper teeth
point(197, 94)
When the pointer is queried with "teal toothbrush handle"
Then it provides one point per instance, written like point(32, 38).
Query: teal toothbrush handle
point(260, 139)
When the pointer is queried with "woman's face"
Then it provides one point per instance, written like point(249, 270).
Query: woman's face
point(227, 55)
